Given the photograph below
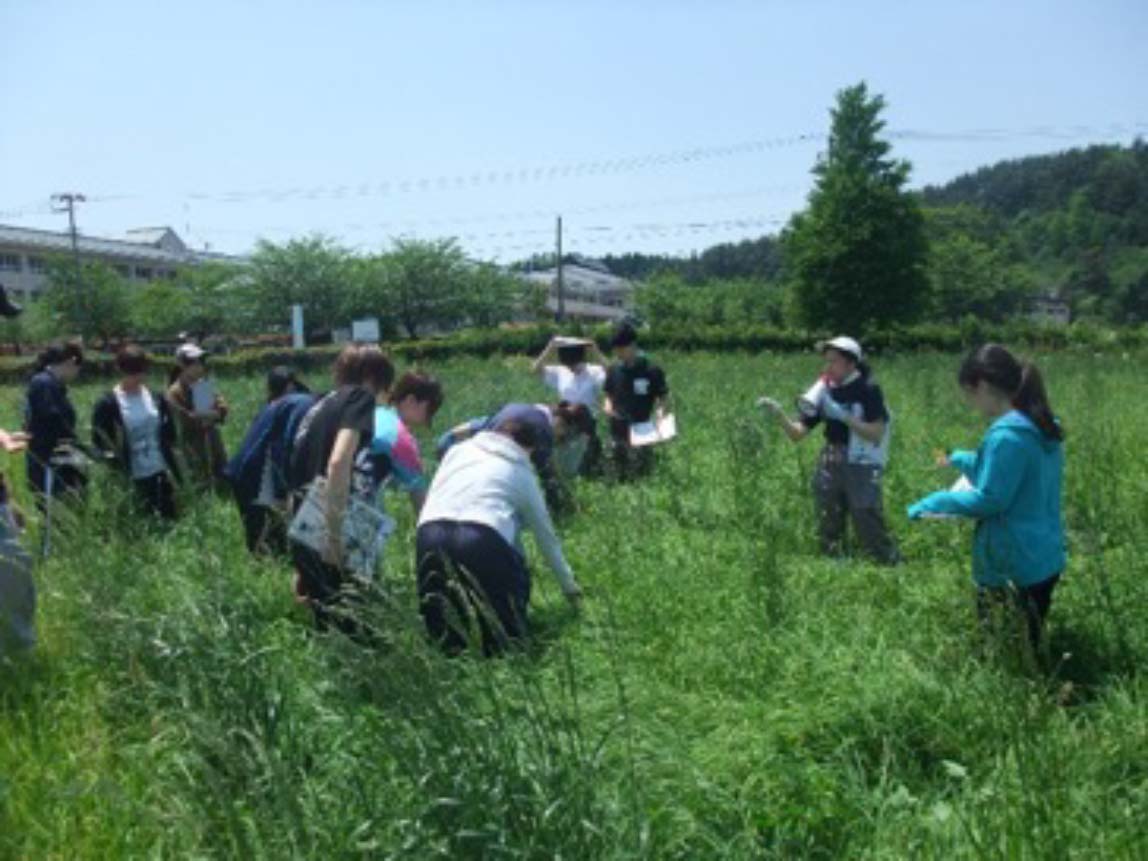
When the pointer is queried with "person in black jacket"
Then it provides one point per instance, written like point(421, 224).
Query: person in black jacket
point(50, 421)
point(135, 428)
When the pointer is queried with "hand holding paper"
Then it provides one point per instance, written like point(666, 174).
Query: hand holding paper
point(663, 428)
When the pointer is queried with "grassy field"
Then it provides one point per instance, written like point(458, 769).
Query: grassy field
point(724, 693)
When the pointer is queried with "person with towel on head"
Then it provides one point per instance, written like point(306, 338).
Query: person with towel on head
point(577, 381)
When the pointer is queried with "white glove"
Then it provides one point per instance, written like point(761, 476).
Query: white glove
point(769, 404)
point(833, 410)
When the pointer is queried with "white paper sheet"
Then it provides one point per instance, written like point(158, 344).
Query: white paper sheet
point(651, 433)
point(203, 396)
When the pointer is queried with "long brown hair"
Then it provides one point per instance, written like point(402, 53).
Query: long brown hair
point(1020, 381)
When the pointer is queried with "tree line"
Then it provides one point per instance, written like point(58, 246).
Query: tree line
point(866, 252)
point(415, 288)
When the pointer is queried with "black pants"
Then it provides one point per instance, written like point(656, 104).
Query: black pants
point(65, 479)
point(328, 590)
point(469, 576)
point(628, 460)
point(1032, 602)
point(264, 528)
point(157, 495)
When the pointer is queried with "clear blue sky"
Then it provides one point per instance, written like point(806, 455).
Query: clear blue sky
point(650, 126)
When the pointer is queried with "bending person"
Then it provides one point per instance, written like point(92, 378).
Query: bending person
point(576, 381)
point(470, 562)
point(413, 402)
point(333, 442)
point(258, 472)
point(1015, 476)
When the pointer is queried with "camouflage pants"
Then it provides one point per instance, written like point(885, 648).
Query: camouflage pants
point(842, 489)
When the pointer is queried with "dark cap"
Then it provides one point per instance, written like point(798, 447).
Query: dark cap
point(279, 379)
point(624, 335)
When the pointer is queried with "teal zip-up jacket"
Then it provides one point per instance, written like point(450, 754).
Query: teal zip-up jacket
point(1016, 475)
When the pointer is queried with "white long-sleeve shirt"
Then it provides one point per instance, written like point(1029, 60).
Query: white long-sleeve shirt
point(489, 479)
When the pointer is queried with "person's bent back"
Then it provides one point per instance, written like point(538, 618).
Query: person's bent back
point(469, 552)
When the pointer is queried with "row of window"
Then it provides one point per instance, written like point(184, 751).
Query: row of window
point(39, 265)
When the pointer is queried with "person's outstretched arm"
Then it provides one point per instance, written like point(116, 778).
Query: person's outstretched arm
point(796, 431)
point(539, 364)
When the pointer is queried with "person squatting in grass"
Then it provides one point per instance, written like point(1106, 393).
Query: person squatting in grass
point(852, 462)
point(470, 564)
point(258, 472)
point(576, 381)
point(50, 421)
point(334, 441)
point(1016, 475)
point(636, 392)
point(200, 440)
point(136, 431)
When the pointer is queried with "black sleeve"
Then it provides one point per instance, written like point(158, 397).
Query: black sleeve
point(873, 405)
point(611, 385)
point(167, 436)
point(358, 413)
point(810, 422)
point(658, 387)
point(105, 418)
point(48, 418)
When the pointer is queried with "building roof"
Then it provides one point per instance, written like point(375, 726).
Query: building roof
point(581, 276)
point(50, 241)
point(160, 237)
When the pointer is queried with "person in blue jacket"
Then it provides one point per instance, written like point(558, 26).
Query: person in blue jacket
point(1014, 488)
point(258, 471)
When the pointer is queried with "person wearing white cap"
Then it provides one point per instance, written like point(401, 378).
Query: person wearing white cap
point(852, 463)
point(199, 411)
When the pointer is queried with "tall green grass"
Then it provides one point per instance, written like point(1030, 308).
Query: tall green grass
point(725, 692)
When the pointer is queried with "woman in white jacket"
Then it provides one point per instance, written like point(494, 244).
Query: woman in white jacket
point(470, 560)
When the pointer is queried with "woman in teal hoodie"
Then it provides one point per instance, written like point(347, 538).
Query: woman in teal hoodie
point(1015, 486)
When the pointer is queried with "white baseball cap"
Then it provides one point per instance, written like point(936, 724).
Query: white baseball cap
point(188, 353)
point(842, 344)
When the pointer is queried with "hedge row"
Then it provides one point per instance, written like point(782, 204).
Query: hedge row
point(530, 340)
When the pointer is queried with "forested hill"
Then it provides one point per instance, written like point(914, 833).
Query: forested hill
point(1112, 179)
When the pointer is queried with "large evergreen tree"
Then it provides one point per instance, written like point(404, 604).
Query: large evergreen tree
point(856, 256)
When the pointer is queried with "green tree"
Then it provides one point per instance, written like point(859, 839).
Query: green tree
point(492, 295)
point(426, 284)
point(94, 303)
point(312, 272)
point(968, 277)
point(856, 256)
point(159, 309)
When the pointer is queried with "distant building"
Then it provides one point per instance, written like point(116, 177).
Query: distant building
point(143, 254)
point(1049, 307)
point(590, 291)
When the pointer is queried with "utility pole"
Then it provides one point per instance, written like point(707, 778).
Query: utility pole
point(66, 202)
point(561, 313)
